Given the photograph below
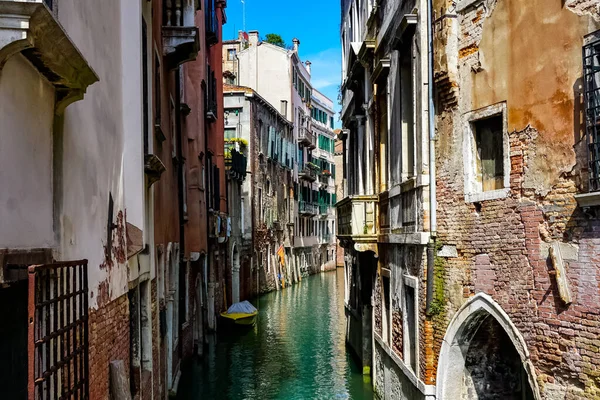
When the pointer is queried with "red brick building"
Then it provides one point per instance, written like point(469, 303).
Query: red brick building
point(471, 231)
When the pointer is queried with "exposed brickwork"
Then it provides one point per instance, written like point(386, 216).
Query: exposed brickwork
point(397, 344)
point(499, 244)
point(377, 307)
point(109, 340)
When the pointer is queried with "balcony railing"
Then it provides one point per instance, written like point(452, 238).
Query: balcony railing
point(324, 179)
point(180, 35)
point(325, 239)
point(306, 137)
point(323, 209)
point(307, 208)
point(357, 217)
point(308, 174)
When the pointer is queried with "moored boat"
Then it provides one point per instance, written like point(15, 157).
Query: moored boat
point(242, 314)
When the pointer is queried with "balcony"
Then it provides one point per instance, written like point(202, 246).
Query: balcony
point(308, 174)
point(357, 219)
point(325, 239)
point(307, 208)
point(180, 36)
point(324, 180)
point(324, 210)
point(306, 138)
point(30, 29)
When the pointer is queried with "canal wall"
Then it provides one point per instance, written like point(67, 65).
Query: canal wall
point(393, 380)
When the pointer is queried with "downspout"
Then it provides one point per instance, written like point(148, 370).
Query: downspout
point(180, 194)
point(432, 180)
point(238, 69)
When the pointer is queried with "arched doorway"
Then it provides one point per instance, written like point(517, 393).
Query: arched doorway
point(484, 357)
point(235, 275)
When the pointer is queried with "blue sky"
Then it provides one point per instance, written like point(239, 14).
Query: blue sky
point(315, 23)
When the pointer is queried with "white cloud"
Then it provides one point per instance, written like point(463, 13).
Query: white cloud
point(326, 68)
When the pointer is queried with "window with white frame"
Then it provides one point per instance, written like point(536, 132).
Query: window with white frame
point(486, 154)
point(230, 54)
point(411, 323)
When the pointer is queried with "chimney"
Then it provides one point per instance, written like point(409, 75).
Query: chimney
point(296, 44)
point(284, 104)
point(253, 38)
point(308, 64)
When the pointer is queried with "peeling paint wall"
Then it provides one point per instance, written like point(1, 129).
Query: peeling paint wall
point(528, 55)
point(90, 149)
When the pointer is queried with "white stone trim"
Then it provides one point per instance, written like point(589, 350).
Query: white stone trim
point(451, 359)
point(412, 282)
point(473, 194)
point(426, 390)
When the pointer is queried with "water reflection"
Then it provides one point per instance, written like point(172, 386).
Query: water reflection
point(295, 351)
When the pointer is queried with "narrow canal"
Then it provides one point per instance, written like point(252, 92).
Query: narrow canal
point(295, 351)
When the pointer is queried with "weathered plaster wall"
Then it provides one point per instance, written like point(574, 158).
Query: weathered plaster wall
point(529, 55)
point(25, 156)
point(88, 151)
point(549, 77)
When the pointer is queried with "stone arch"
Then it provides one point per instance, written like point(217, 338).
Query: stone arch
point(455, 378)
point(235, 273)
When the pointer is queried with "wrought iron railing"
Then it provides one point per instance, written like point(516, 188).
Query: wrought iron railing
point(308, 174)
point(591, 78)
point(305, 207)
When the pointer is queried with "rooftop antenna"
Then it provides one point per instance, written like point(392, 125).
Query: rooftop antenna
point(244, 14)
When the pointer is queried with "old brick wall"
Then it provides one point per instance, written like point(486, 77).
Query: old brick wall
point(108, 341)
point(502, 244)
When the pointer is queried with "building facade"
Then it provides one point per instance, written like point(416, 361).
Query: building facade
point(282, 79)
point(113, 209)
point(267, 196)
point(471, 235)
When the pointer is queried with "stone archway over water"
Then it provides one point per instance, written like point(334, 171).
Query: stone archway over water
point(484, 357)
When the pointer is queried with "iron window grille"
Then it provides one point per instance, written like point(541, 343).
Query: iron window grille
point(58, 331)
point(591, 80)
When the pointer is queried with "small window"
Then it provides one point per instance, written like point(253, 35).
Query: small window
point(231, 54)
point(230, 133)
point(486, 154)
point(489, 160)
point(411, 324)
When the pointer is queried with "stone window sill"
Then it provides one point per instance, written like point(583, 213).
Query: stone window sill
point(588, 199)
point(489, 195)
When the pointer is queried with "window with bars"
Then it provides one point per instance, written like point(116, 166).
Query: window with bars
point(591, 79)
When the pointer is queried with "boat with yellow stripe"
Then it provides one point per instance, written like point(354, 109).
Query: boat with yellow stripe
point(242, 314)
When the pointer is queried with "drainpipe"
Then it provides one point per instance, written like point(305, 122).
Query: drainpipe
point(432, 180)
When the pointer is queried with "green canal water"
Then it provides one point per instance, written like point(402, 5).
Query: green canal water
point(295, 351)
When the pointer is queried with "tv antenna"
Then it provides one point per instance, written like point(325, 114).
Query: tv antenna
point(244, 15)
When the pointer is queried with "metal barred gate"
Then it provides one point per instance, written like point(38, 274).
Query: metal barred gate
point(58, 331)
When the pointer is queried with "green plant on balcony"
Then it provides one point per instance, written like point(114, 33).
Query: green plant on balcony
point(312, 166)
point(240, 141)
